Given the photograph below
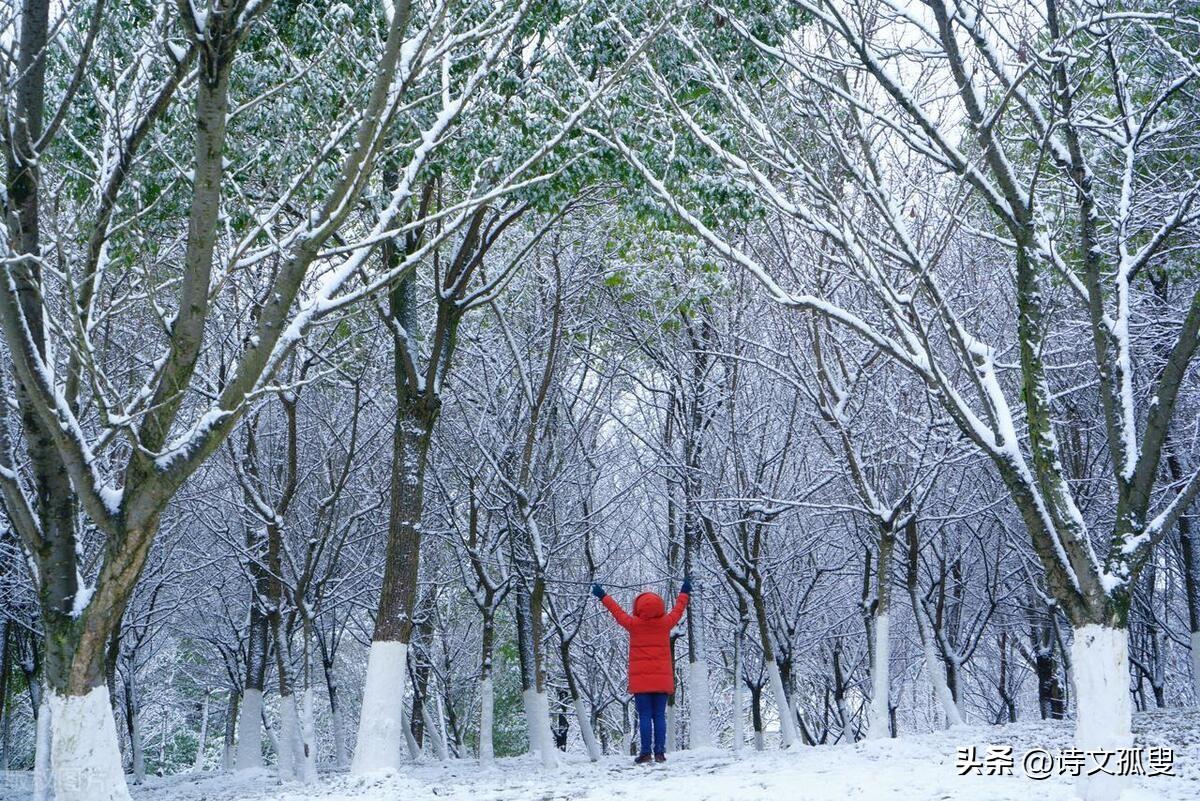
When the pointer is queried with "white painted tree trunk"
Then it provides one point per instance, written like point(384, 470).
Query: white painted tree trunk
point(308, 737)
point(341, 756)
point(249, 738)
point(84, 754)
point(787, 721)
point(288, 739)
point(292, 763)
point(798, 720)
point(272, 740)
point(585, 730)
point(700, 704)
point(410, 740)
point(487, 708)
point(537, 716)
point(42, 779)
point(759, 742)
point(739, 706)
point(434, 733)
point(380, 725)
point(941, 690)
point(1196, 666)
point(1100, 662)
point(138, 747)
point(878, 724)
point(198, 762)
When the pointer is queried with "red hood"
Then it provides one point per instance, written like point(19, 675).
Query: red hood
point(648, 606)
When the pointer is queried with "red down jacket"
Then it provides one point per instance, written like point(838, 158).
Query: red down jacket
point(650, 669)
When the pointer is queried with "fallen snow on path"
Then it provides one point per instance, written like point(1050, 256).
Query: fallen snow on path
point(912, 768)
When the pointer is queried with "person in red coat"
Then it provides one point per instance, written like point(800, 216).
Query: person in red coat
point(651, 672)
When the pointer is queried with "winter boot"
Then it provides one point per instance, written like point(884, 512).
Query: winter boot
point(644, 759)
point(660, 757)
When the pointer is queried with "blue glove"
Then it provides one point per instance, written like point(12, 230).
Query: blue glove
point(686, 587)
point(598, 591)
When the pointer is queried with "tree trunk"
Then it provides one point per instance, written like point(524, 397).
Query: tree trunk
point(42, 779)
point(1100, 662)
point(756, 718)
point(249, 735)
point(878, 715)
point(934, 666)
point(739, 701)
point(787, 724)
point(1008, 703)
point(582, 717)
point(435, 733)
point(380, 733)
point(133, 720)
point(699, 687)
point(562, 723)
point(229, 752)
point(198, 763)
point(5, 669)
point(533, 686)
point(487, 699)
point(336, 715)
point(1191, 575)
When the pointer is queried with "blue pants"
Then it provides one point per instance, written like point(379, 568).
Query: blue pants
point(652, 709)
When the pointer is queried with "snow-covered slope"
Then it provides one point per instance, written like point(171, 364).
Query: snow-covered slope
point(912, 768)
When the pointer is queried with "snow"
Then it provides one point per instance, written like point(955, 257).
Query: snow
point(380, 729)
point(915, 767)
point(112, 498)
point(83, 596)
point(83, 748)
point(182, 447)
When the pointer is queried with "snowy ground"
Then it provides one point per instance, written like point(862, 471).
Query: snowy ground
point(913, 768)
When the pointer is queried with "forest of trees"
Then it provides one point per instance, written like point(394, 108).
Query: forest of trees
point(346, 344)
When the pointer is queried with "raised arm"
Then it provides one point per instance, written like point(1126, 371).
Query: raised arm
point(685, 592)
point(622, 617)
